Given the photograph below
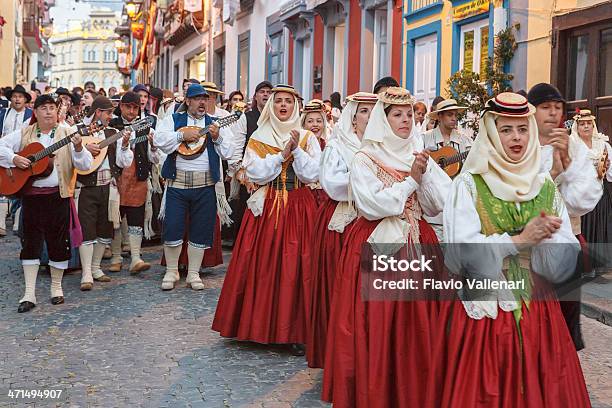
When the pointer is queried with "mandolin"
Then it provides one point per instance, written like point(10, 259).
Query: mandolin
point(103, 143)
point(449, 159)
point(13, 179)
point(602, 164)
point(193, 150)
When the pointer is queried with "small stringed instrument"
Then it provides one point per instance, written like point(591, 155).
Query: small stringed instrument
point(13, 179)
point(449, 159)
point(602, 164)
point(193, 150)
point(104, 143)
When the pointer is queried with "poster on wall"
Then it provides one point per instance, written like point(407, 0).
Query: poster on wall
point(484, 50)
point(468, 50)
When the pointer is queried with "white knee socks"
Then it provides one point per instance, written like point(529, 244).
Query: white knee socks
point(195, 255)
point(96, 259)
point(30, 272)
point(56, 281)
point(86, 253)
point(172, 254)
point(4, 207)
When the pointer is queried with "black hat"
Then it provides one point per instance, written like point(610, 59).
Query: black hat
point(385, 82)
point(544, 92)
point(64, 91)
point(157, 93)
point(130, 98)
point(102, 103)
point(44, 99)
point(19, 89)
point(264, 84)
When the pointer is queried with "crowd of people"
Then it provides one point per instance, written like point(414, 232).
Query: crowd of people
point(305, 191)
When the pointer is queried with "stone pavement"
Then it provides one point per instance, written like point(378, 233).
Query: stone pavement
point(128, 344)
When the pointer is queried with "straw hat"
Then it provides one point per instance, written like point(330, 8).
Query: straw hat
point(509, 104)
point(211, 87)
point(583, 114)
point(446, 105)
point(396, 96)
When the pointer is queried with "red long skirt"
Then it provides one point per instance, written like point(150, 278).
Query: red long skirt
point(263, 298)
point(212, 256)
point(486, 366)
point(327, 249)
point(320, 196)
point(379, 354)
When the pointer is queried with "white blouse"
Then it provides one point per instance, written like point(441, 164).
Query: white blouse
point(578, 184)
point(375, 201)
point(462, 225)
point(334, 177)
point(305, 164)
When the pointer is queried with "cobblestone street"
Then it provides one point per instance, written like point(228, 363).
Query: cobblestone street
point(128, 344)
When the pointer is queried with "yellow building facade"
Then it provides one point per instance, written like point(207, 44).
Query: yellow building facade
point(87, 52)
point(8, 43)
point(564, 42)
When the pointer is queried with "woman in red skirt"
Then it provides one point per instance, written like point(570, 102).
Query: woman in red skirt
point(264, 294)
point(378, 353)
point(509, 346)
point(334, 218)
point(313, 120)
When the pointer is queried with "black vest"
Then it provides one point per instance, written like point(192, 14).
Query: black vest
point(252, 117)
point(141, 156)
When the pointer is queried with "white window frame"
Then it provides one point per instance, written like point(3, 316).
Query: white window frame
point(475, 26)
point(381, 67)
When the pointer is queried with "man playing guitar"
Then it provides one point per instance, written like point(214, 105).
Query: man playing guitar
point(132, 183)
point(190, 185)
point(445, 135)
point(96, 213)
point(46, 204)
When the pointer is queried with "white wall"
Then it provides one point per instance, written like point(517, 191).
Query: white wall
point(256, 23)
point(187, 49)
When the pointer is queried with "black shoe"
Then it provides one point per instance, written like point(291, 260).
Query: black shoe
point(297, 350)
point(57, 300)
point(25, 307)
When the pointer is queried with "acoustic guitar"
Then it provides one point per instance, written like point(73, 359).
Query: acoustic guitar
point(449, 159)
point(103, 144)
point(13, 179)
point(190, 151)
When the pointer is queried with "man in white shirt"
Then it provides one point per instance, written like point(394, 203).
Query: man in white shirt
point(573, 173)
point(95, 214)
point(18, 115)
point(445, 134)
point(190, 185)
point(46, 205)
point(14, 118)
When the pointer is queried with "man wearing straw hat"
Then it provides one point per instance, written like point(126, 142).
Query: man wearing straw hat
point(445, 134)
point(212, 109)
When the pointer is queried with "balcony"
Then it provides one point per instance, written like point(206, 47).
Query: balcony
point(418, 9)
point(183, 25)
point(31, 34)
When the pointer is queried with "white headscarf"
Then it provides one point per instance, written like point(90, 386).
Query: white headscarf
point(508, 180)
point(381, 143)
point(343, 137)
point(597, 142)
point(271, 130)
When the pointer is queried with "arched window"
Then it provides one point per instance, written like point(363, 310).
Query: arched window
point(70, 83)
point(68, 55)
point(92, 54)
point(86, 53)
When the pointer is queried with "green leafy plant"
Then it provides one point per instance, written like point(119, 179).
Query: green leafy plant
point(473, 90)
